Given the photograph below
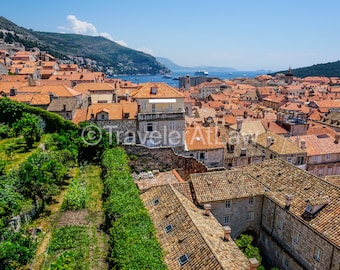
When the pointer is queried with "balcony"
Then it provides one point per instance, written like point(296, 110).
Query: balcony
point(160, 116)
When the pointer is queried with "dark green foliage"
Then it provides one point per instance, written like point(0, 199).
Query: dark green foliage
point(16, 249)
point(70, 248)
point(331, 69)
point(13, 110)
point(28, 126)
point(76, 196)
point(6, 131)
point(10, 200)
point(93, 141)
point(40, 176)
point(133, 242)
point(244, 242)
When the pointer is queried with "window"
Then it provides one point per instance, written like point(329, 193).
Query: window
point(143, 105)
point(170, 107)
point(251, 200)
point(314, 158)
point(202, 155)
point(328, 157)
point(171, 125)
point(286, 263)
point(290, 160)
point(154, 90)
point(183, 259)
point(228, 204)
point(300, 160)
point(149, 127)
point(168, 228)
point(156, 201)
point(103, 116)
point(317, 254)
point(296, 237)
point(227, 220)
point(250, 215)
point(279, 223)
point(153, 108)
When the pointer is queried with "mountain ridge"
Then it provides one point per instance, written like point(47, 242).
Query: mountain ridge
point(104, 53)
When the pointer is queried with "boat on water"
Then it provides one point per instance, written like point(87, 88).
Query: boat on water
point(167, 76)
point(201, 73)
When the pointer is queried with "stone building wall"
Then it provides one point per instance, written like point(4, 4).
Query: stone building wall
point(238, 212)
point(284, 232)
point(162, 159)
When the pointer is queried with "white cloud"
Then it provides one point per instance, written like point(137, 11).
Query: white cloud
point(82, 27)
point(146, 50)
point(85, 28)
point(121, 42)
point(107, 36)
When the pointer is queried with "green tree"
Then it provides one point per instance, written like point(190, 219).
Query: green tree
point(244, 242)
point(40, 175)
point(28, 126)
point(16, 249)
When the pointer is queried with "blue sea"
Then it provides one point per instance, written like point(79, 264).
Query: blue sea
point(174, 83)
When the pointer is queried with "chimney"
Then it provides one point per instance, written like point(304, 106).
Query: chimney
point(303, 144)
point(239, 124)
point(269, 141)
point(289, 199)
point(187, 83)
point(253, 264)
point(207, 208)
point(337, 137)
point(297, 140)
point(227, 232)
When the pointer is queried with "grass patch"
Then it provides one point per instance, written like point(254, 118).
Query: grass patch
point(69, 248)
point(18, 151)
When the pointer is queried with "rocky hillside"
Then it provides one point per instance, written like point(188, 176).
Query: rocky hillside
point(105, 54)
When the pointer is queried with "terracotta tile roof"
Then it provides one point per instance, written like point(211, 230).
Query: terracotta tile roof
point(115, 110)
point(202, 138)
point(333, 179)
point(79, 116)
point(184, 189)
point(25, 98)
point(319, 144)
point(224, 185)
point(13, 78)
point(57, 105)
point(94, 87)
point(162, 178)
point(328, 103)
point(7, 86)
point(195, 234)
point(281, 178)
point(163, 91)
point(294, 106)
point(205, 112)
point(59, 90)
point(251, 127)
point(273, 127)
point(40, 99)
point(280, 145)
point(28, 70)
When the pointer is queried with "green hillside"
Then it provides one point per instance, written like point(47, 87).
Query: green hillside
point(331, 69)
point(104, 53)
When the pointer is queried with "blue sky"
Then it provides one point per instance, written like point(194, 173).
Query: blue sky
point(243, 34)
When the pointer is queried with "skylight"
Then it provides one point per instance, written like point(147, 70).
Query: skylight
point(183, 259)
point(169, 228)
point(156, 201)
